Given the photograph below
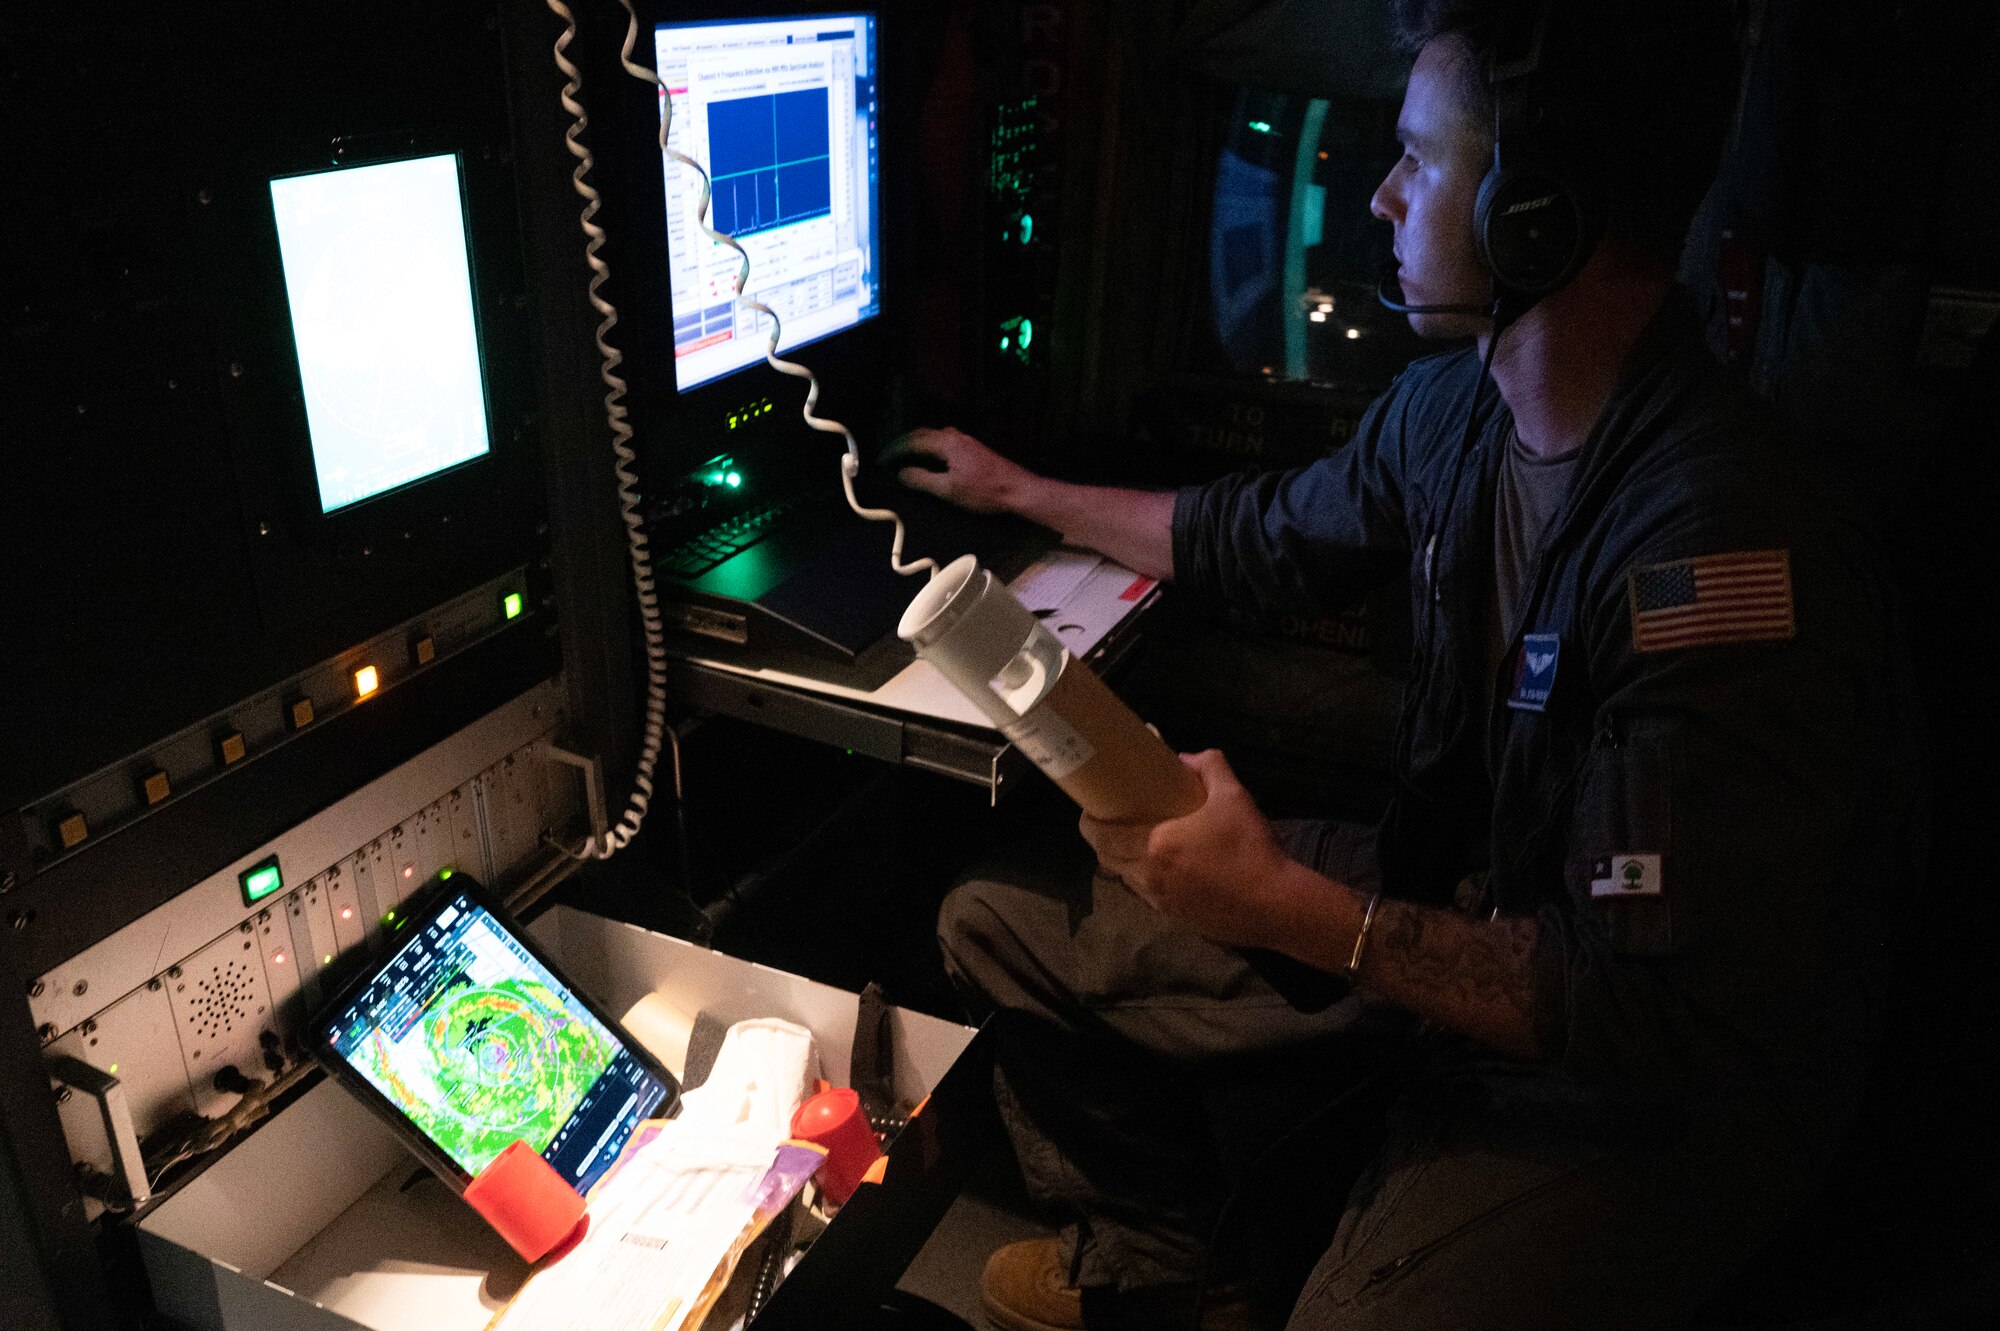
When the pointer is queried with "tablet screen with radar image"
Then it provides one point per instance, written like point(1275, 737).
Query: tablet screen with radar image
point(467, 1039)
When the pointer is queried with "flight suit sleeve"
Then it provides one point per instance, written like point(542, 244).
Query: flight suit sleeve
point(1307, 538)
point(1718, 876)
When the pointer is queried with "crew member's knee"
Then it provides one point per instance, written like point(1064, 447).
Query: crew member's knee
point(972, 937)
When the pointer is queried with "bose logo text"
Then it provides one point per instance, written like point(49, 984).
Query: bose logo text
point(1523, 207)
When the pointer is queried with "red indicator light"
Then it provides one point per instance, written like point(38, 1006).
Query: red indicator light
point(277, 958)
point(347, 912)
point(409, 871)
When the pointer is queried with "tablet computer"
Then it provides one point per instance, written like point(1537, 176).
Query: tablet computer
point(465, 1037)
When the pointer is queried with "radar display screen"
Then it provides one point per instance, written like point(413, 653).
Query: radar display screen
point(475, 1042)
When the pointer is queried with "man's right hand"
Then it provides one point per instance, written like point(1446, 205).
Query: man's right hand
point(1134, 527)
point(958, 469)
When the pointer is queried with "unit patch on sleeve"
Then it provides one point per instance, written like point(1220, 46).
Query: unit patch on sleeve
point(1626, 876)
point(1712, 600)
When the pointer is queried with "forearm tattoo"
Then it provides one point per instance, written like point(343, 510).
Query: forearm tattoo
point(1475, 976)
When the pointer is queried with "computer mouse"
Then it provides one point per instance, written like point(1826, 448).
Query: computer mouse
point(899, 455)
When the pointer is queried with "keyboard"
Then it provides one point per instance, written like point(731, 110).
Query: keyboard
point(816, 596)
point(700, 553)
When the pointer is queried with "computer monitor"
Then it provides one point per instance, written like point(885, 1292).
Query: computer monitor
point(378, 280)
point(782, 112)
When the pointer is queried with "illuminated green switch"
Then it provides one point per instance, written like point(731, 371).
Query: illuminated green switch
point(260, 880)
point(510, 605)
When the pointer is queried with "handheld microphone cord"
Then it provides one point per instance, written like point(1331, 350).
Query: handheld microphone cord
point(615, 416)
point(850, 461)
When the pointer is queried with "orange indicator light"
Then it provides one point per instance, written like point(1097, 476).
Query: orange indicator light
point(366, 681)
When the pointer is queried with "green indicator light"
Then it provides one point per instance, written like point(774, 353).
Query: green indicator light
point(733, 480)
point(260, 880)
point(446, 872)
point(1027, 333)
point(1005, 342)
point(1027, 227)
point(390, 918)
point(512, 605)
point(1261, 126)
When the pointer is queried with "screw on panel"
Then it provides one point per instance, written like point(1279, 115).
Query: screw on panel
point(47, 1031)
point(173, 972)
point(7, 881)
point(63, 1095)
point(19, 919)
point(243, 928)
point(36, 988)
point(80, 988)
point(153, 985)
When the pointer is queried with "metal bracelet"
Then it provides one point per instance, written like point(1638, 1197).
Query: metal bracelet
point(1361, 938)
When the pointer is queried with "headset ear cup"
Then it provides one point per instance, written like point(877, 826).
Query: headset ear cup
point(1482, 217)
point(1533, 230)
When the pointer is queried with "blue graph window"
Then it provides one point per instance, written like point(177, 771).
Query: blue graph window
point(770, 158)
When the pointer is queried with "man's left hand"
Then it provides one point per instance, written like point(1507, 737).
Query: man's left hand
point(1218, 870)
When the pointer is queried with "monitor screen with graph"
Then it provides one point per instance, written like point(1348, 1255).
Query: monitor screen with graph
point(782, 113)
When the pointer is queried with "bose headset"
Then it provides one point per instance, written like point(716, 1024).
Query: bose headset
point(1534, 227)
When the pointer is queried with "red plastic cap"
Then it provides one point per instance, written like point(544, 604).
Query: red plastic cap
point(833, 1119)
point(526, 1201)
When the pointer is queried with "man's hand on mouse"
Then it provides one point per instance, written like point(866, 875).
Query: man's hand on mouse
point(956, 468)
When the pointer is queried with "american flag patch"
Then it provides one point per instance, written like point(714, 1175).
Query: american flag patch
point(1714, 599)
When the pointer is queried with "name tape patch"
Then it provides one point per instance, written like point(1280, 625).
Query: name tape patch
point(1535, 672)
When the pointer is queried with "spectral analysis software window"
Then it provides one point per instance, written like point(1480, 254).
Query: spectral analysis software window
point(782, 112)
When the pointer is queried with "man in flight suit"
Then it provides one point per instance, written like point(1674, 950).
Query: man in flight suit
point(1626, 915)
